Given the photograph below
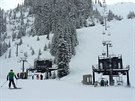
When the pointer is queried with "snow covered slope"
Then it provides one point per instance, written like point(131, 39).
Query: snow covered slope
point(70, 87)
point(122, 9)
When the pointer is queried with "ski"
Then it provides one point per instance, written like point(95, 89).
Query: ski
point(15, 88)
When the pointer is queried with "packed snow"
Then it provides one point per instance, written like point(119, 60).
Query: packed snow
point(70, 88)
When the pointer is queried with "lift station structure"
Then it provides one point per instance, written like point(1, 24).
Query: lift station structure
point(110, 65)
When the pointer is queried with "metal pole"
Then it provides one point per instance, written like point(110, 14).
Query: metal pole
point(23, 65)
point(93, 77)
point(16, 49)
point(107, 50)
point(128, 83)
point(111, 77)
point(4, 83)
point(105, 24)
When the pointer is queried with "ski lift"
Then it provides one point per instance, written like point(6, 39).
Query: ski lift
point(109, 34)
point(103, 53)
point(104, 43)
point(110, 45)
point(103, 33)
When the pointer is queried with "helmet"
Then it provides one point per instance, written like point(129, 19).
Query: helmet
point(11, 70)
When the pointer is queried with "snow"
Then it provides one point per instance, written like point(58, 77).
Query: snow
point(9, 4)
point(70, 88)
point(122, 9)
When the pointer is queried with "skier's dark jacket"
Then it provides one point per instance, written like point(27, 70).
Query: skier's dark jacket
point(11, 75)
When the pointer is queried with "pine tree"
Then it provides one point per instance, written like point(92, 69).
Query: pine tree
point(1, 49)
point(131, 15)
point(49, 45)
point(38, 39)
point(39, 52)
point(9, 44)
point(2, 21)
point(63, 58)
point(45, 47)
point(4, 47)
point(13, 35)
point(32, 52)
point(20, 43)
point(110, 16)
point(25, 54)
point(9, 55)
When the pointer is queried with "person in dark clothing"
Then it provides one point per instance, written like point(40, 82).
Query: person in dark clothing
point(102, 82)
point(10, 77)
point(41, 77)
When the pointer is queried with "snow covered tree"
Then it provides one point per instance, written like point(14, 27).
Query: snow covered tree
point(22, 32)
point(38, 39)
point(39, 52)
point(0, 48)
point(28, 2)
point(45, 47)
point(9, 44)
point(131, 15)
point(63, 58)
point(49, 45)
point(13, 35)
point(20, 41)
point(32, 51)
point(2, 21)
point(110, 15)
point(9, 55)
point(42, 10)
point(25, 54)
point(4, 47)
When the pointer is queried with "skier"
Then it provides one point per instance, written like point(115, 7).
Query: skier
point(10, 77)
point(41, 77)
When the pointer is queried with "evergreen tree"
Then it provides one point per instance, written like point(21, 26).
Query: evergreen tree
point(45, 47)
point(110, 15)
point(39, 52)
point(9, 55)
point(25, 54)
point(13, 35)
point(2, 21)
point(9, 44)
point(49, 45)
point(32, 52)
point(20, 43)
point(131, 15)
point(63, 58)
point(61, 17)
point(4, 47)
point(0, 48)
point(38, 39)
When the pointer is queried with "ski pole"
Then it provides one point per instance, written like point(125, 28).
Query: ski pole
point(4, 83)
point(16, 82)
